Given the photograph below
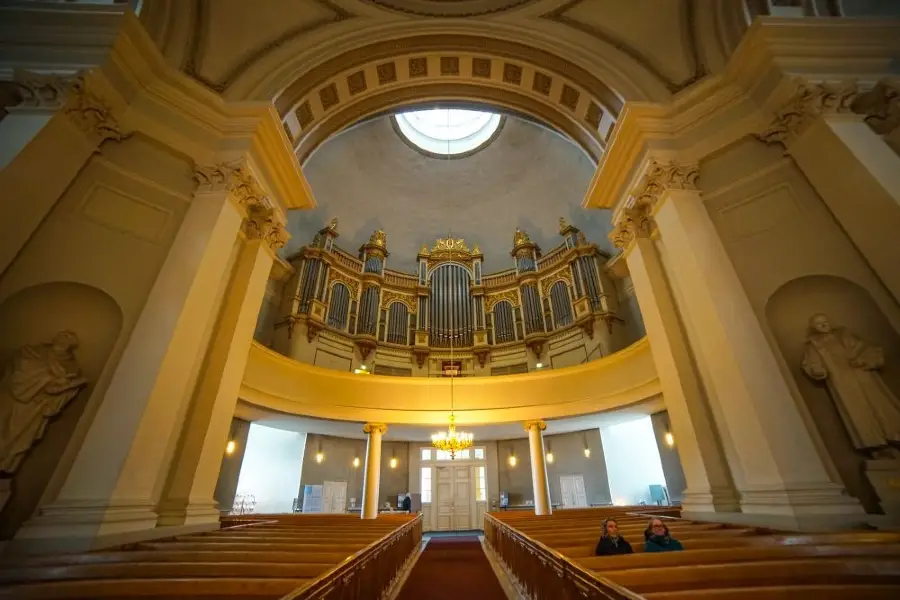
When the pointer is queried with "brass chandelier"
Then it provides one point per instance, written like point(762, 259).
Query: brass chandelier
point(452, 441)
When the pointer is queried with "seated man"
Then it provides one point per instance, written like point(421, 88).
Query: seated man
point(657, 538)
point(610, 542)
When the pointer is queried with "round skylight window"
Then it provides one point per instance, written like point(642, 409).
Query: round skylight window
point(448, 131)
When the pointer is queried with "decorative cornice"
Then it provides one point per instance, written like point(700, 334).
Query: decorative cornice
point(91, 114)
point(809, 102)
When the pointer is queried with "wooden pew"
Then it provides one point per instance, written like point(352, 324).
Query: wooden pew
point(724, 562)
point(255, 559)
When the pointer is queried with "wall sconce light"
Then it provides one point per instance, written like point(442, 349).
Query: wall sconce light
point(669, 438)
point(230, 447)
point(512, 459)
point(394, 462)
point(320, 456)
point(355, 462)
point(539, 365)
point(550, 457)
point(587, 452)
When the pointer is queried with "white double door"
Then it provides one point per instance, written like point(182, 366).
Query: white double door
point(455, 497)
point(571, 488)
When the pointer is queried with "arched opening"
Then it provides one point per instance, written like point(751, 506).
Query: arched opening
point(848, 305)
point(32, 317)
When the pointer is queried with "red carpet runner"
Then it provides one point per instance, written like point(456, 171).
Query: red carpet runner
point(452, 568)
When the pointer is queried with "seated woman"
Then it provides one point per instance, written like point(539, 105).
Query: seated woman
point(610, 543)
point(657, 538)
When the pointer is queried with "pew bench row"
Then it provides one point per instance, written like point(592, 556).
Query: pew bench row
point(723, 562)
point(256, 560)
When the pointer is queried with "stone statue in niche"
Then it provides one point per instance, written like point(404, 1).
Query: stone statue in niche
point(37, 385)
point(849, 366)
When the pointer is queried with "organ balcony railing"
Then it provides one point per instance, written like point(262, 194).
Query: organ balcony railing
point(449, 298)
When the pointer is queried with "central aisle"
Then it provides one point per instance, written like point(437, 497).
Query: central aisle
point(450, 568)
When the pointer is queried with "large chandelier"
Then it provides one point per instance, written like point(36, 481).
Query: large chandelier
point(452, 441)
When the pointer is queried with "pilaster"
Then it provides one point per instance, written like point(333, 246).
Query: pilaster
point(710, 487)
point(837, 133)
point(774, 461)
point(188, 498)
point(60, 123)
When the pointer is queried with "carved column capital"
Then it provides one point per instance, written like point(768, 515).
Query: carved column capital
point(39, 90)
point(633, 223)
point(809, 102)
point(91, 114)
point(262, 224)
point(881, 106)
point(536, 424)
point(262, 221)
point(663, 176)
point(379, 427)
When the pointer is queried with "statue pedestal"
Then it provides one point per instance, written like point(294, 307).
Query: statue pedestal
point(884, 476)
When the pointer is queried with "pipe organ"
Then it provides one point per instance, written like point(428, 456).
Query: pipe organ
point(449, 298)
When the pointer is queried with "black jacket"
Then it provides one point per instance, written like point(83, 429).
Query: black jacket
point(407, 503)
point(606, 547)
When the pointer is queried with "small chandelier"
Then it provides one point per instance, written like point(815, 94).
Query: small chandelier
point(452, 441)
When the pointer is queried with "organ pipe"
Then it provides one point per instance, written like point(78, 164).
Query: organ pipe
point(451, 306)
point(532, 309)
point(338, 308)
point(398, 320)
point(562, 307)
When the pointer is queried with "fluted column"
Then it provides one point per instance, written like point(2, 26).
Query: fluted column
point(709, 484)
point(538, 467)
point(834, 131)
point(776, 464)
point(372, 474)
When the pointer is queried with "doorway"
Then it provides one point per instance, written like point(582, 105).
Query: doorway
point(455, 497)
point(571, 488)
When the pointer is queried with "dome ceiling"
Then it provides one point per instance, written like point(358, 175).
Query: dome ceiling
point(449, 8)
point(526, 177)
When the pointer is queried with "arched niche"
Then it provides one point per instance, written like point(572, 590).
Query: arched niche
point(848, 305)
point(33, 316)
